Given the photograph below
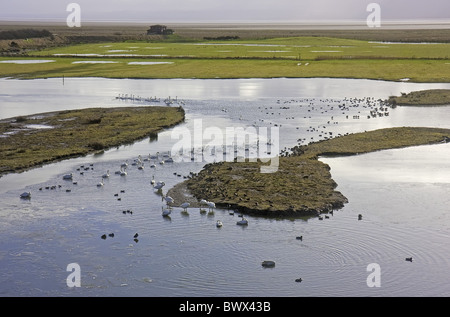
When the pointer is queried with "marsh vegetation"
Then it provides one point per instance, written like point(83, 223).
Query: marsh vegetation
point(30, 141)
point(432, 97)
point(240, 52)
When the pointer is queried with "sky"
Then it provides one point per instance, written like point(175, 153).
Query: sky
point(292, 11)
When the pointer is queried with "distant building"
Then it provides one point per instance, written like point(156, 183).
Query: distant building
point(159, 30)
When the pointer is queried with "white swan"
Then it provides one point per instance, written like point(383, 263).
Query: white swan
point(211, 205)
point(25, 195)
point(185, 206)
point(68, 176)
point(169, 200)
point(219, 224)
point(106, 175)
point(100, 184)
point(242, 222)
point(166, 212)
point(159, 185)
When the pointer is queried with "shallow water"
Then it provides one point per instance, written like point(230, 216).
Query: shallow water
point(27, 61)
point(401, 194)
point(94, 62)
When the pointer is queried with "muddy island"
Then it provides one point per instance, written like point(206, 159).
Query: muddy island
point(303, 185)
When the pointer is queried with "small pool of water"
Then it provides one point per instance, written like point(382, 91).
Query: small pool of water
point(402, 196)
point(26, 61)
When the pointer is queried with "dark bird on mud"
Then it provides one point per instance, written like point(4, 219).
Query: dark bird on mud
point(409, 259)
point(300, 238)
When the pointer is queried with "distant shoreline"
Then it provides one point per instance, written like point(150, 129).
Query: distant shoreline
point(271, 24)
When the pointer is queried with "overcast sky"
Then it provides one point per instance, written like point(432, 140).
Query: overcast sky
point(224, 10)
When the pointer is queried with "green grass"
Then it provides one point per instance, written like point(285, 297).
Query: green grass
point(294, 57)
point(392, 70)
point(307, 48)
point(77, 133)
point(302, 185)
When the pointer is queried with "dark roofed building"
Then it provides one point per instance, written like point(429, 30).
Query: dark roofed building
point(159, 30)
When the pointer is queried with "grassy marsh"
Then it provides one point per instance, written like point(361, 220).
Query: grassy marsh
point(431, 97)
point(393, 70)
point(294, 57)
point(31, 141)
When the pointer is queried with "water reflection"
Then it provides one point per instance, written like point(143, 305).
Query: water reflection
point(73, 93)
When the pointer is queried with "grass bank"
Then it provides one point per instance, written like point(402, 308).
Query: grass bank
point(432, 97)
point(30, 141)
point(303, 185)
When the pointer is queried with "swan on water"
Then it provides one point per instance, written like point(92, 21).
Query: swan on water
point(242, 222)
point(166, 212)
point(211, 205)
point(25, 195)
point(185, 206)
point(68, 176)
point(106, 175)
point(169, 200)
point(219, 224)
point(159, 185)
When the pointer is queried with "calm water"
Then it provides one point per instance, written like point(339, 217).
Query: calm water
point(402, 195)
